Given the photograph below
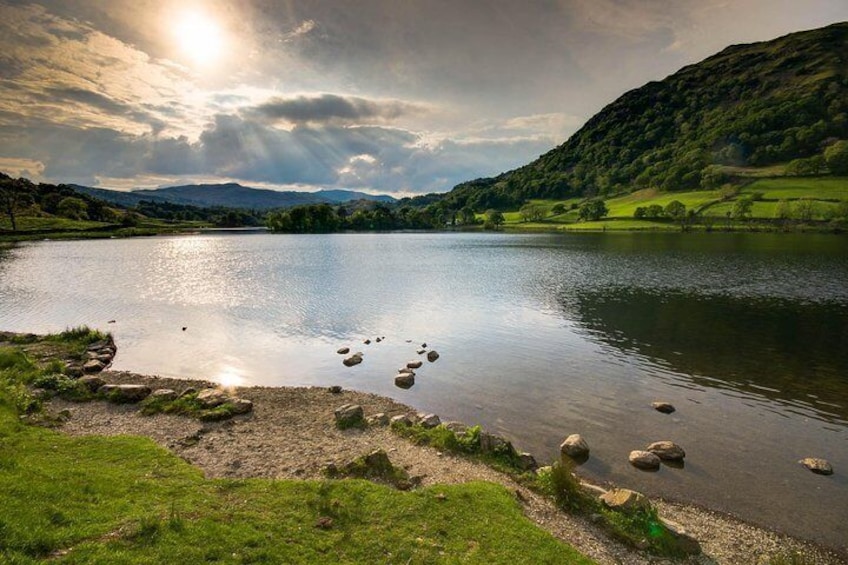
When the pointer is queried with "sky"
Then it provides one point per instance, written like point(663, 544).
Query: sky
point(385, 96)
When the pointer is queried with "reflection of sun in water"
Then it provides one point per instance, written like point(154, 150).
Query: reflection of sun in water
point(199, 37)
point(229, 378)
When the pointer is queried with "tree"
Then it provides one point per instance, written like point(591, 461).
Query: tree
point(73, 208)
point(558, 209)
point(836, 157)
point(592, 210)
point(466, 216)
point(15, 194)
point(783, 210)
point(742, 209)
point(495, 217)
point(675, 210)
point(805, 209)
point(532, 212)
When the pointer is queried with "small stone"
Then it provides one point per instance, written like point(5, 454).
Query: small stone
point(429, 420)
point(491, 443)
point(667, 450)
point(164, 394)
point(625, 500)
point(378, 419)
point(421, 351)
point(349, 415)
point(405, 380)
point(367, 342)
point(663, 407)
point(92, 366)
point(354, 359)
point(526, 462)
point(125, 393)
point(74, 371)
point(817, 465)
point(441, 497)
point(432, 356)
point(189, 390)
point(91, 382)
point(424, 345)
point(379, 339)
point(575, 447)
point(335, 389)
point(414, 364)
point(401, 420)
point(644, 460)
point(343, 351)
point(212, 397)
point(684, 541)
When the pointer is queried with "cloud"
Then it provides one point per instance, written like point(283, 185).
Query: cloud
point(333, 108)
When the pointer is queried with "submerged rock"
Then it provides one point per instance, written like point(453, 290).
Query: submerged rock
point(817, 465)
point(666, 450)
point(644, 460)
point(575, 447)
point(663, 407)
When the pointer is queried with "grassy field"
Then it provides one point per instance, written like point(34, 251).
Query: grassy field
point(126, 500)
point(64, 228)
point(828, 197)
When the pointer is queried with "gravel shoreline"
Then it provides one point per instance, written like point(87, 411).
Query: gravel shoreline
point(291, 434)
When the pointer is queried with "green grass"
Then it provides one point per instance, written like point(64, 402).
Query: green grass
point(819, 188)
point(126, 500)
point(625, 206)
point(30, 228)
point(27, 223)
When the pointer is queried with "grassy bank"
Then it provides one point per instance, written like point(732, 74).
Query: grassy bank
point(126, 500)
point(33, 228)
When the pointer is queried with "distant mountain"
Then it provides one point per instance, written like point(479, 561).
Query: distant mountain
point(230, 195)
point(748, 106)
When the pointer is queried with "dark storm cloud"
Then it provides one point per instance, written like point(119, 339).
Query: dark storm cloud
point(326, 108)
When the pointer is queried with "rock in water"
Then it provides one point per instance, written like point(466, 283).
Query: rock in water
point(414, 364)
point(644, 460)
point(663, 407)
point(405, 380)
point(432, 356)
point(817, 466)
point(575, 447)
point(343, 351)
point(667, 450)
point(354, 359)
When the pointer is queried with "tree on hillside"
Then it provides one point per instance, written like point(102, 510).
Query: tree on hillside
point(495, 217)
point(558, 209)
point(742, 209)
point(73, 208)
point(15, 194)
point(836, 157)
point(532, 212)
point(592, 210)
point(675, 210)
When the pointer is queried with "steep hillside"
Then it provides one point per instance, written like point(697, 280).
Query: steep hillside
point(748, 106)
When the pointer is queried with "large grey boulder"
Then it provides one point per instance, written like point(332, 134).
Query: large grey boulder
point(667, 450)
point(125, 393)
point(574, 446)
point(212, 397)
point(405, 380)
point(644, 460)
point(91, 382)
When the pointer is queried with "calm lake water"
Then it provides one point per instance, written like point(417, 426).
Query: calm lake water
point(540, 336)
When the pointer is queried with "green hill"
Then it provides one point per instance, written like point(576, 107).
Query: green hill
point(750, 106)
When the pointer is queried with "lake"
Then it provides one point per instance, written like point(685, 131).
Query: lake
point(540, 336)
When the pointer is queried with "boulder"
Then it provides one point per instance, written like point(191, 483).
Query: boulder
point(343, 351)
point(421, 351)
point(367, 342)
point(625, 500)
point(74, 371)
point(526, 462)
point(92, 382)
point(663, 407)
point(212, 397)
point(354, 359)
point(491, 443)
point(349, 415)
point(405, 380)
point(684, 541)
point(457, 428)
point(378, 419)
point(667, 450)
point(104, 358)
point(575, 447)
point(125, 393)
point(189, 390)
point(92, 366)
point(400, 419)
point(335, 389)
point(817, 465)
point(241, 405)
point(164, 394)
point(644, 460)
point(432, 356)
point(429, 420)
point(414, 364)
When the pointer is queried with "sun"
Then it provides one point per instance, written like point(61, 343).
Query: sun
point(199, 37)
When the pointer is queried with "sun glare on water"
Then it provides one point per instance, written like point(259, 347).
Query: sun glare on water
point(199, 37)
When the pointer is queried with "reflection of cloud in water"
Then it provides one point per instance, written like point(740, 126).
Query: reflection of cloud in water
point(792, 352)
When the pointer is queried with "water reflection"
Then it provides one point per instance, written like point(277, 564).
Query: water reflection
point(792, 352)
